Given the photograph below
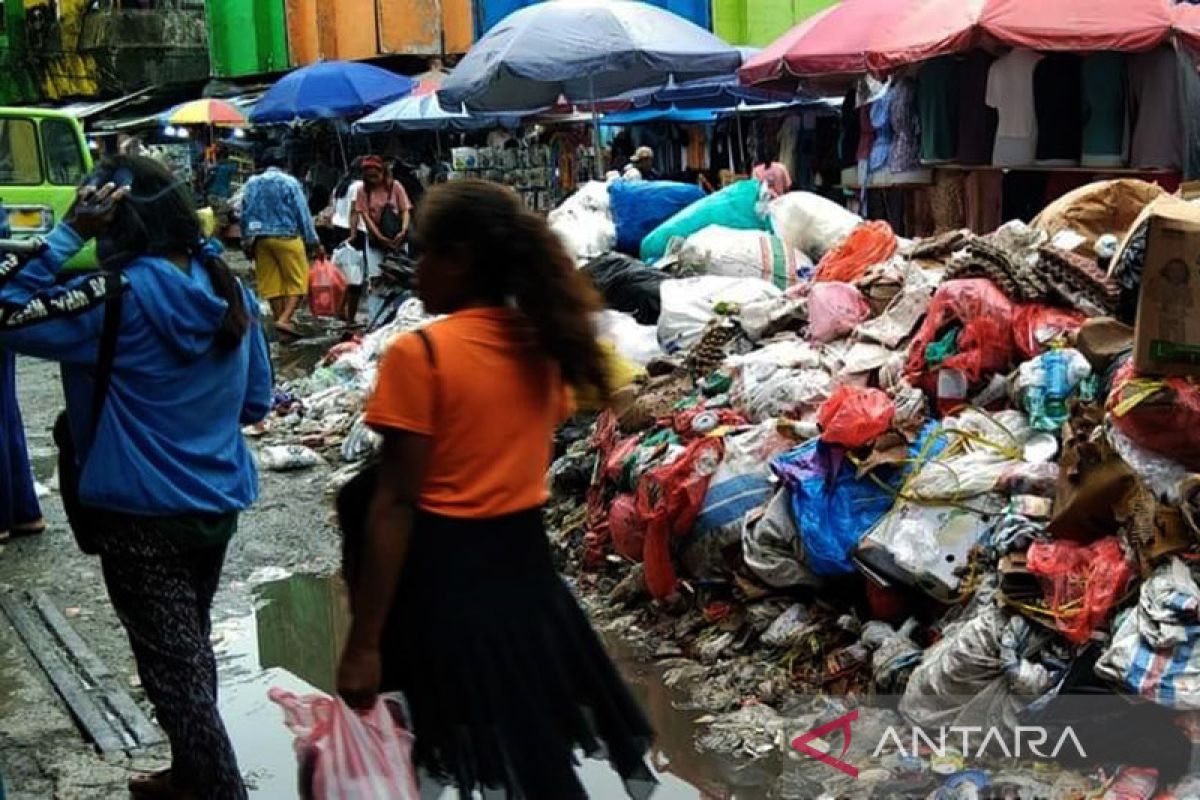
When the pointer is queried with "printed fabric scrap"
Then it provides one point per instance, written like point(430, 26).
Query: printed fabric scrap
point(1154, 651)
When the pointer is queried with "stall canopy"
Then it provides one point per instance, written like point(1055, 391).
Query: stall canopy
point(330, 89)
point(425, 113)
point(859, 36)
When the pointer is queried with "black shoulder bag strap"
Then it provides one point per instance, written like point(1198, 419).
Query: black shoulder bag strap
point(70, 470)
point(354, 499)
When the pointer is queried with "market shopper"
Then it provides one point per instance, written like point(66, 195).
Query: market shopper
point(382, 205)
point(339, 214)
point(641, 166)
point(278, 233)
point(456, 601)
point(164, 471)
point(774, 175)
point(20, 512)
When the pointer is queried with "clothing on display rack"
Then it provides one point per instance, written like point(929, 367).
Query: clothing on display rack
point(881, 124)
point(1056, 91)
point(937, 93)
point(1010, 92)
point(1102, 95)
point(1154, 110)
point(905, 155)
point(977, 122)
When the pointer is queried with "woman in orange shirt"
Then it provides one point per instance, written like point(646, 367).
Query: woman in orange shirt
point(455, 600)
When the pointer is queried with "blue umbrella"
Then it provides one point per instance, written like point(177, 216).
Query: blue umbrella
point(582, 50)
point(330, 89)
point(426, 114)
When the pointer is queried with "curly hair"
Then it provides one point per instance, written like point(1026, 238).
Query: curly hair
point(516, 258)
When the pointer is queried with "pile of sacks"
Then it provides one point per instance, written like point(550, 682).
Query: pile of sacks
point(933, 456)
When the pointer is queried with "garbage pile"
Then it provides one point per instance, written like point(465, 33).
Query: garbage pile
point(958, 471)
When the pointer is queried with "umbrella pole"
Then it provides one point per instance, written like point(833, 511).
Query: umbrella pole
point(737, 112)
point(599, 160)
point(341, 146)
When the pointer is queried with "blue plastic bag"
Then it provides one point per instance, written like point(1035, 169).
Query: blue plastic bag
point(639, 206)
point(833, 509)
point(738, 206)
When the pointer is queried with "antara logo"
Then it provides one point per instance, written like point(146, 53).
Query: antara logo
point(801, 743)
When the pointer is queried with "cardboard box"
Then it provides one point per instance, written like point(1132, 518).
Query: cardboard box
point(1166, 339)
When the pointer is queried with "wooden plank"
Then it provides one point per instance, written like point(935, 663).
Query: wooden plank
point(112, 694)
point(95, 723)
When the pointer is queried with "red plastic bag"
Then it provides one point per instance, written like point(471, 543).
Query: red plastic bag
point(835, 309)
point(326, 288)
point(1036, 325)
point(869, 244)
point(854, 417)
point(985, 345)
point(1082, 583)
point(625, 526)
point(668, 501)
point(1160, 414)
point(347, 755)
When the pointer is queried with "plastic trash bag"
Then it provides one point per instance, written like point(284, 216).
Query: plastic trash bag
point(289, 457)
point(985, 344)
point(783, 379)
point(741, 484)
point(834, 310)
point(669, 499)
point(326, 289)
point(772, 548)
point(739, 206)
point(347, 755)
point(985, 448)
point(1159, 414)
point(639, 207)
point(1035, 326)
point(627, 529)
point(1082, 582)
point(633, 341)
point(869, 244)
point(810, 223)
point(584, 222)
point(832, 507)
point(717, 250)
point(688, 305)
point(350, 260)
point(854, 417)
point(627, 285)
point(1154, 652)
point(362, 442)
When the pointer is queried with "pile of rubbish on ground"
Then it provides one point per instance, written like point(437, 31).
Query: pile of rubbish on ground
point(958, 477)
point(855, 466)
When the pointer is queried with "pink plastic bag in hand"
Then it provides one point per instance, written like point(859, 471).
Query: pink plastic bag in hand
point(345, 755)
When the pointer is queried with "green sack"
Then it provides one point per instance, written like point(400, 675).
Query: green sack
point(737, 206)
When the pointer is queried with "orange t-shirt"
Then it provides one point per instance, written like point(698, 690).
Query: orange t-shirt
point(490, 407)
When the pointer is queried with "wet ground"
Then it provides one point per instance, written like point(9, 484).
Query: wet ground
point(278, 619)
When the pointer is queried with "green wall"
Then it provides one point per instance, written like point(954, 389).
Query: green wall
point(757, 23)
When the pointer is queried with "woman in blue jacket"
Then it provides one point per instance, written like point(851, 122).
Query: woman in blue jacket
point(165, 471)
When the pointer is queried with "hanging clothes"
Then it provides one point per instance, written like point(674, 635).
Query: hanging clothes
point(1154, 111)
point(984, 200)
point(977, 122)
point(1010, 92)
point(1057, 88)
point(881, 123)
point(905, 154)
point(937, 92)
point(1102, 96)
point(851, 130)
point(789, 142)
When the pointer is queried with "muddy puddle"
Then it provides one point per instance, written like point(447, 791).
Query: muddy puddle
point(293, 639)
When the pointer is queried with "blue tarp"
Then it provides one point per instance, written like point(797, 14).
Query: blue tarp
point(643, 115)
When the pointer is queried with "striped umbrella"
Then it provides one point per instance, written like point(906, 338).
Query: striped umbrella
point(206, 112)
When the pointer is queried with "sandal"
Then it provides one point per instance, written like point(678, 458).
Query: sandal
point(30, 528)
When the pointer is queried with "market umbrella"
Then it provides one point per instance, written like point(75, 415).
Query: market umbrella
point(582, 50)
point(206, 112)
point(859, 36)
point(425, 113)
point(330, 89)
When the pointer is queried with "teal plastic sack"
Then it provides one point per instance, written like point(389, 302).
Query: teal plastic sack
point(638, 207)
point(735, 206)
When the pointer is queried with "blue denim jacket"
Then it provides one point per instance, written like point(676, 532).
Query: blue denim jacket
point(273, 204)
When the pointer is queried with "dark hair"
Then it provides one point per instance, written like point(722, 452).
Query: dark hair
point(158, 218)
point(515, 257)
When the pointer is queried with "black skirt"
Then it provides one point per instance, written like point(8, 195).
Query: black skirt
point(504, 676)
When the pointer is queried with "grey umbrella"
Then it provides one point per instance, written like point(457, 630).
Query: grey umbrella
point(582, 51)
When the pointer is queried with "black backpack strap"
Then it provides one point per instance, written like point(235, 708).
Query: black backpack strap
point(108, 351)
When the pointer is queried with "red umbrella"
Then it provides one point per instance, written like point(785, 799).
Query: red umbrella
point(858, 36)
point(1187, 22)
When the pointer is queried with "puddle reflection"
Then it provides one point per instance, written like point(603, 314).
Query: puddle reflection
point(293, 641)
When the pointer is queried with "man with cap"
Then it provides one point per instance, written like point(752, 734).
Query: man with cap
point(278, 232)
point(641, 166)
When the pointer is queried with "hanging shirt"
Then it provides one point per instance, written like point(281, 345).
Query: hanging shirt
point(881, 123)
point(903, 112)
point(976, 121)
point(1102, 83)
point(1154, 111)
point(937, 107)
point(1056, 93)
point(1010, 92)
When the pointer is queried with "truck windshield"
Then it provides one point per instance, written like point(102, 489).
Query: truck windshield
point(19, 162)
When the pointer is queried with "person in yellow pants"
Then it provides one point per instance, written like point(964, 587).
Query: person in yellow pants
point(278, 232)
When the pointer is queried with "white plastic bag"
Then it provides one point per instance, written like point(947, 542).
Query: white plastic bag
point(717, 250)
point(347, 755)
point(584, 222)
point(688, 305)
point(811, 224)
point(289, 457)
point(635, 343)
point(349, 259)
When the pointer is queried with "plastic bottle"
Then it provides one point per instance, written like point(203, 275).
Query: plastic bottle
point(1058, 387)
